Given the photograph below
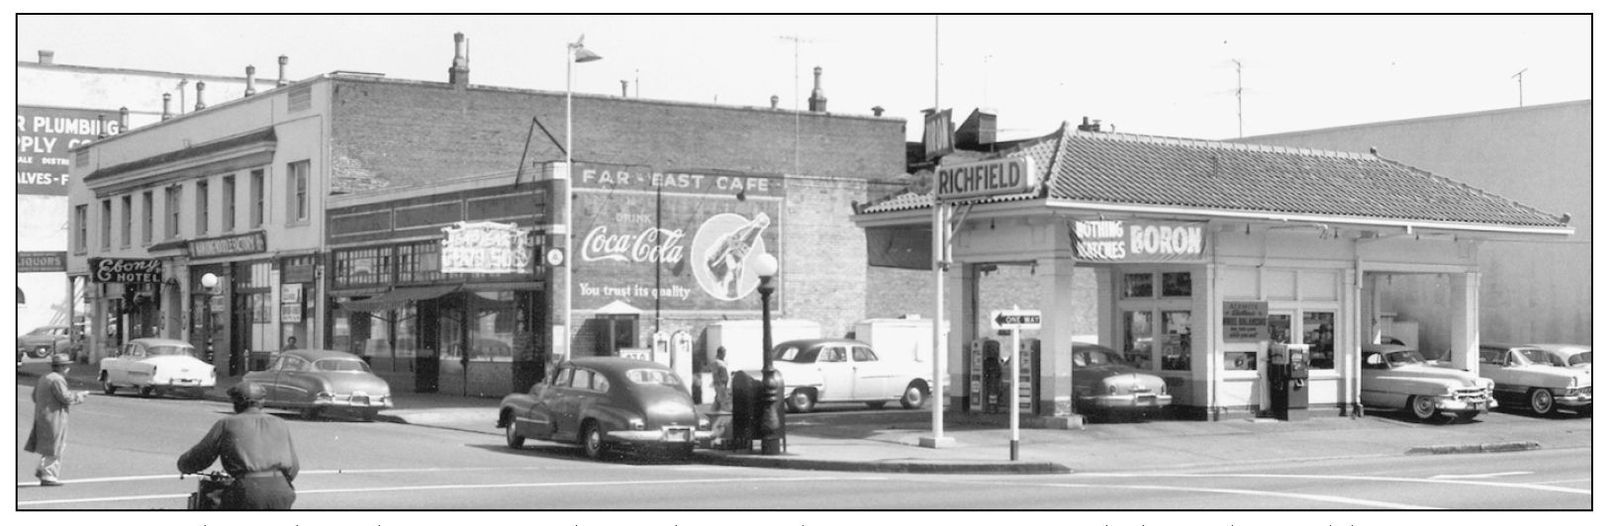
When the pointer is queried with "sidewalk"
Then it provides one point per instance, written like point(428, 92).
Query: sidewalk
point(887, 441)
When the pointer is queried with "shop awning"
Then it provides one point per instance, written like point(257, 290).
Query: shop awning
point(398, 298)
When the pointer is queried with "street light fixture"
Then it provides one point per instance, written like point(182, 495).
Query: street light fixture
point(209, 283)
point(574, 53)
point(772, 420)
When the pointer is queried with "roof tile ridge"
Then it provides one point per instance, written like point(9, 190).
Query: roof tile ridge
point(1469, 188)
point(1225, 145)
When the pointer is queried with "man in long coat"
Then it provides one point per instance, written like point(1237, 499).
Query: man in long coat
point(49, 436)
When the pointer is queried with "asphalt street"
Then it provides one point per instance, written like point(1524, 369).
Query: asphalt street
point(122, 450)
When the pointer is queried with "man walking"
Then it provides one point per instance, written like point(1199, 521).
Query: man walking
point(49, 436)
point(255, 448)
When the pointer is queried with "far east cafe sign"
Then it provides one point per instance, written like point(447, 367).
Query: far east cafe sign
point(486, 248)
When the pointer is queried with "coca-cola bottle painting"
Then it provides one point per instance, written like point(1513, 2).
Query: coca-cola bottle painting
point(723, 244)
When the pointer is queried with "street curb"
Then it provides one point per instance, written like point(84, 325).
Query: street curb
point(1491, 447)
point(786, 462)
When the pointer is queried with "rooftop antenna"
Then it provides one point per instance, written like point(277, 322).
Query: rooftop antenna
point(1239, 92)
point(1518, 76)
point(796, 39)
point(985, 95)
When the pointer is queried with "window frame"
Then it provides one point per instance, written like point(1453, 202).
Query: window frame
point(230, 204)
point(147, 216)
point(172, 211)
point(1155, 306)
point(258, 196)
point(298, 207)
point(106, 224)
point(81, 229)
point(127, 238)
point(202, 213)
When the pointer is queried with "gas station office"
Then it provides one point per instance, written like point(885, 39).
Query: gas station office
point(1193, 244)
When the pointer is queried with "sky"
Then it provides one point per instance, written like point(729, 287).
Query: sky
point(1171, 75)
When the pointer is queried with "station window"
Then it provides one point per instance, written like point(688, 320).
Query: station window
point(1139, 285)
point(1156, 313)
point(1316, 332)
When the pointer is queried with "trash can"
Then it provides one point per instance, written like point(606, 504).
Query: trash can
point(746, 425)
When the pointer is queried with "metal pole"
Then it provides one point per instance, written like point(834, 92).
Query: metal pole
point(1013, 397)
point(771, 424)
point(563, 188)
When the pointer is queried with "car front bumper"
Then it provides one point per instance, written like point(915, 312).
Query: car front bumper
point(1126, 401)
point(1447, 403)
point(1582, 398)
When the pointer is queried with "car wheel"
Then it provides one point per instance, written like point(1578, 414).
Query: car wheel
point(512, 438)
point(1541, 402)
point(148, 391)
point(914, 396)
point(41, 352)
point(801, 401)
point(309, 413)
point(593, 444)
point(875, 405)
point(1424, 407)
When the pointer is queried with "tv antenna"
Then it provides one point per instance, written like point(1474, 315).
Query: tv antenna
point(1239, 93)
point(796, 39)
point(1518, 76)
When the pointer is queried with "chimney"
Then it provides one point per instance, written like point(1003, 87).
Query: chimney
point(878, 111)
point(100, 126)
point(166, 98)
point(623, 89)
point(282, 81)
point(978, 131)
point(251, 81)
point(200, 104)
point(817, 102)
point(47, 57)
point(459, 74)
point(123, 120)
point(1088, 124)
point(775, 102)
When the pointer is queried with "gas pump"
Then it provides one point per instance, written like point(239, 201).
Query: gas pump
point(1289, 371)
point(985, 376)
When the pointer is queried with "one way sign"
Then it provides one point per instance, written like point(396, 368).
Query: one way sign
point(1016, 319)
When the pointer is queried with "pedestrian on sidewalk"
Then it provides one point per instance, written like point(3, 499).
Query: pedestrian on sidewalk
point(255, 448)
point(719, 382)
point(49, 435)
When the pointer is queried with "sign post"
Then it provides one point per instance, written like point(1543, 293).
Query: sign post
point(1015, 320)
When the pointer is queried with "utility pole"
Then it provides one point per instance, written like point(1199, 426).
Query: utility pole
point(1518, 76)
point(1239, 92)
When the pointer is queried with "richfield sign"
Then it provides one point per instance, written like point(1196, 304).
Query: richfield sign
point(123, 270)
point(1007, 176)
point(1129, 241)
point(486, 248)
point(679, 241)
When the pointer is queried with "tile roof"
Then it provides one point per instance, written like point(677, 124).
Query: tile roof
point(1124, 169)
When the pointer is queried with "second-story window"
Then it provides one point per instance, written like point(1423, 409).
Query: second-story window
point(171, 211)
point(229, 203)
point(296, 182)
point(81, 242)
point(257, 199)
point(106, 223)
point(128, 222)
point(147, 216)
point(202, 215)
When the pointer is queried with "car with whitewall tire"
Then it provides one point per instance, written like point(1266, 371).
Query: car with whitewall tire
point(1531, 377)
point(1398, 377)
point(820, 371)
point(156, 366)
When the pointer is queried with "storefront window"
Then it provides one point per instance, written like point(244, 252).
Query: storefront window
point(1318, 334)
point(419, 262)
point(1176, 350)
point(363, 267)
point(1139, 285)
point(1281, 328)
point(1177, 284)
point(1139, 338)
point(493, 330)
point(1242, 361)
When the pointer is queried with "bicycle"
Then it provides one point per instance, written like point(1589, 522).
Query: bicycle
point(209, 494)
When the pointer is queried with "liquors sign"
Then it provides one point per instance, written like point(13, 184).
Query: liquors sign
point(486, 248)
point(682, 240)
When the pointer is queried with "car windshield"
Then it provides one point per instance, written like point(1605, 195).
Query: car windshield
point(341, 364)
point(1403, 358)
point(653, 377)
point(170, 350)
point(1095, 358)
point(796, 354)
point(1579, 358)
point(1540, 356)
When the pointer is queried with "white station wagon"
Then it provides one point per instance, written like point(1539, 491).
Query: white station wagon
point(831, 370)
point(156, 366)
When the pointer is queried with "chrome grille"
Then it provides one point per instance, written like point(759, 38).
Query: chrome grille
point(1472, 394)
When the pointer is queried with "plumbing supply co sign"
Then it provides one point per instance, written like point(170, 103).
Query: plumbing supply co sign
point(1129, 241)
point(44, 138)
point(679, 241)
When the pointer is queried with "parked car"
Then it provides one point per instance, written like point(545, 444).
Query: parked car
point(1532, 377)
point(606, 403)
point(155, 366)
point(1398, 377)
point(1571, 355)
point(833, 370)
point(1104, 383)
point(44, 341)
point(314, 381)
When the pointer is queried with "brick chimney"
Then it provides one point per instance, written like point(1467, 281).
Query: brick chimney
point(200, 103)
point(47, 57)
point(1087, 124)
point(775, 102)
point(251, 80)
point(817, 102)
point(282, 81)
point(123, 119)
point(459, 74)
point(166, 98)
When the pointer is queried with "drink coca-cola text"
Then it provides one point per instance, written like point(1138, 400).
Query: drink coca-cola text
point(645, 246)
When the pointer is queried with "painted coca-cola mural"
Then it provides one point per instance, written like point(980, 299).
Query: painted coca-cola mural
point(692, 233)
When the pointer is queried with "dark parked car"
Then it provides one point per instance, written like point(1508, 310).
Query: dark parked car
point(1104, 383)
point(44, 341)
point(604, 403)
point(316, 381)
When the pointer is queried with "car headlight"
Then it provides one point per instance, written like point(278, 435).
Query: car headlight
point(1113, 389)
point(704, 422)
point(635, 423)
point(324, 395)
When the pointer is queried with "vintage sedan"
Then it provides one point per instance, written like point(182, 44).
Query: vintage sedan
point(1567, 354)
point(1105, 384)
point(156, 366)
point(44, 341)
point(1531, 377)
point(832, 370)
point(606, 403)
point(1398, 377)
point(314, 382)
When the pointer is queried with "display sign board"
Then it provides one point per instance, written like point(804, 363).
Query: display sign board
point(684, 239)
point(291, 293)
point(291, 313)
point(48, 261)
point(1124, 240)
point(1028, 320)
point(248, 243)
point(45, 138)
point(1244, 321)
point(125, 270)
point(938, 135)
point(486, 248)
point(991, 177)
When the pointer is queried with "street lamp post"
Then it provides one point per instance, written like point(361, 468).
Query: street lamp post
point(209, 283)
point(574, 53)
point(772, 421)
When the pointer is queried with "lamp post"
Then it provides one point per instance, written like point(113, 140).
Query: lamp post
point(209, 283)
point(574, 53)
point(772, 420)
